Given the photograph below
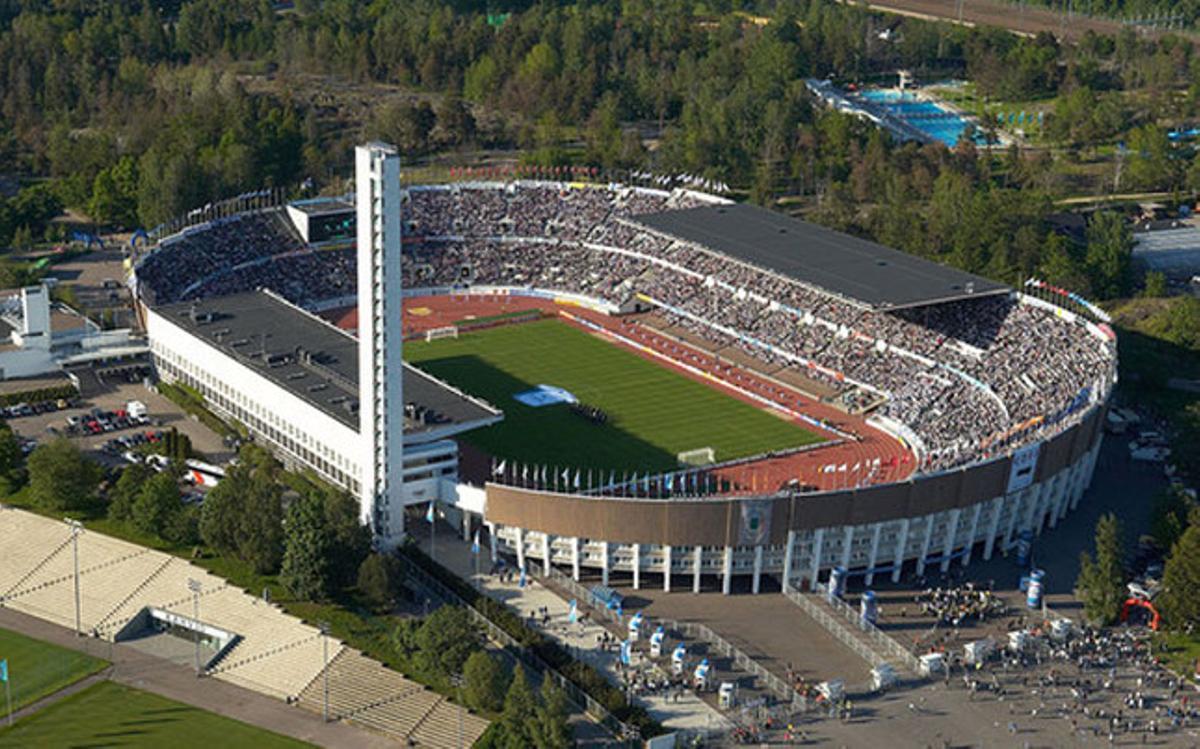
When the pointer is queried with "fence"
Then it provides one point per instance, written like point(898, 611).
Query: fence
point(581, 698)
point(877, 645)
point(694, 631)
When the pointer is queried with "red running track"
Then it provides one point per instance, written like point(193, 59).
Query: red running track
point(895, 461)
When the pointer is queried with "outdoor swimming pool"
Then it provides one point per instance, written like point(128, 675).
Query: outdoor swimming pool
point(926, 116)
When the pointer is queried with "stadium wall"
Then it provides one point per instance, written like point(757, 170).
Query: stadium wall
point(929, 520)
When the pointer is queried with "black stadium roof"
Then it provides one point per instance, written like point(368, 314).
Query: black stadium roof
point(314, 360)
point(862, 272)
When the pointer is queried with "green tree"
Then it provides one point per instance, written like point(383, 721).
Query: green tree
point(1109, 254)
point(1180, 599)
point(125, 492)
point(60, 477)
point(520, 710)
point(1169, 517)
point(243, 515)
point(1101, 582)
point(549, 729)
point(484, 682)
point(445, 640)
point(306, 558)
point(157, 504)
point(11, 459)
point(379, 578)
point(1156, 284)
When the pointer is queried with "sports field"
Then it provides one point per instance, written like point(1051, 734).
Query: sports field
point(109, 714)
point(653, 413)
point(36, 668)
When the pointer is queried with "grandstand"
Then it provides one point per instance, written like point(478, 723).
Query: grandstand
point(271, 652)
point(989, 395)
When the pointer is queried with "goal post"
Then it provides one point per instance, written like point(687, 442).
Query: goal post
point(701, 456)
point(449, 331)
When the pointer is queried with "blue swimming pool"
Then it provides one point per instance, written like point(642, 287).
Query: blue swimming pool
point(927, 116)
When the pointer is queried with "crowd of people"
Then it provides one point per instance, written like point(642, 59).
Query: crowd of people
point(967, 379)
point(960, 604)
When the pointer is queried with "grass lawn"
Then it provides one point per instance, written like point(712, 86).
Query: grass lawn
point(37, 668)
point(108, 714)
point(653, 412)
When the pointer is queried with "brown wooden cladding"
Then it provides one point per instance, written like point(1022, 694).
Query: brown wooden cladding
point(717, 522)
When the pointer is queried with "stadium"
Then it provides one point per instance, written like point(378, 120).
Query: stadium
point(614, 379)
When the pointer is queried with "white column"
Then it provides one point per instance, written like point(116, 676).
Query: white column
point(548, 556)
point(925, 545)
point(604, 563)
point(466, 525)
point(874, 554)
point(1058, 498)
point(575, 558)
point(951, 532)
point(788, 555)
point(847, 545)
point(758, 561)
point(667, 569)
point(492, 540)
point(520, 548)
point(993, 527)
point(966, 559)
point(727, 574)
point(901, 545)
point(637, 565)
point(697, 565)
point(1015, 515)
point(818, 543)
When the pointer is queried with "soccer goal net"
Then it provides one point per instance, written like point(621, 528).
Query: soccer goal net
point(701, 456)
point(433, 334)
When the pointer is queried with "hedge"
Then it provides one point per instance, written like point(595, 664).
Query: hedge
point(40, 395)
point(580, 674)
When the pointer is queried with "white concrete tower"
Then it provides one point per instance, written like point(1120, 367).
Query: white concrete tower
point(380, 381)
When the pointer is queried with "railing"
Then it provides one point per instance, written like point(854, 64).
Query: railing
point(598, 712)
point(694, 631)
point(880, 644)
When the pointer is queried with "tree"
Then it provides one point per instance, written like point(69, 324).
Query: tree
point(520, 707)
point(1109, 254)
point(243, 515)
point(1169, 517)
point(1101, 582)
point(549, 729)
point(157, 504)
point(10, 459)
point(306, 557)
point(445, 640)
point(60, 477)
point(350, 539)
point(379, 578)
point(1180, 599)
point(1156, 284)
point(125, 492)
point(484, 682)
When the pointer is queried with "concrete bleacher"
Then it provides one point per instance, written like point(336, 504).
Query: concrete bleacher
point(276, 653)
point(363, 691)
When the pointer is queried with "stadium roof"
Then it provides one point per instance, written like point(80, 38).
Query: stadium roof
point(316, 361)
point(862, 272)
point(320, 206)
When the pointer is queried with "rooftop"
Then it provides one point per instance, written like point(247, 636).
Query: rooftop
point(860, 271)
point(316, 361)
point(320, 206)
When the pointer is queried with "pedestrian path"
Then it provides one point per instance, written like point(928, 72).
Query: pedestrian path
point(583, 639)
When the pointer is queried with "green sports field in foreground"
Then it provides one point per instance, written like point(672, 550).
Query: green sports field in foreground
point(37, 668)
point(653, 412)
point(109, 714)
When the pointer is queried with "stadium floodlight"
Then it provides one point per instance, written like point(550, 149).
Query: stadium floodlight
point(76, 529)
point(195, 586)
point(324, 626)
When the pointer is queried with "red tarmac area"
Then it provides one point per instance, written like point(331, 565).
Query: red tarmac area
point(895, 461)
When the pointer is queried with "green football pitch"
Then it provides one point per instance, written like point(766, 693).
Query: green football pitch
point(109, 714)
point(653, 413)
point(36, 668)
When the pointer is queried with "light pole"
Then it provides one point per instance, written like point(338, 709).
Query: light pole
point(194, 586)
point(76, 529)
point(325, 670)
point(457, 681)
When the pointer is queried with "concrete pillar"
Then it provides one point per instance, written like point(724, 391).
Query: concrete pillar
point(575, 558)
point(818, 543)
point(951, 533)
point(974, 528)
point(667, 569)
point(547, 555)
point(604, 563)
point(1014, 503)
point(727, 572)
point(520, 548)
point(492, 540)
point(466, 525)
point(925, 545)
point(697, 565)
point(637, 566)
point(874, 555)
point(788, 555)
point(847, 545)
point(758, 562)
point(901, 545)
point(993, 527)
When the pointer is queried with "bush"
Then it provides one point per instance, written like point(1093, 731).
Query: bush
point(484, 682)
point(379, 578)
